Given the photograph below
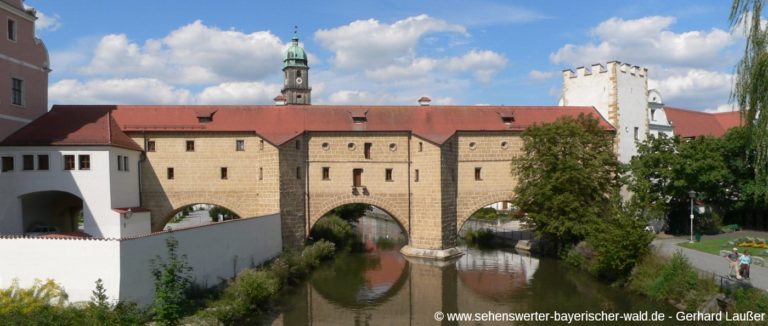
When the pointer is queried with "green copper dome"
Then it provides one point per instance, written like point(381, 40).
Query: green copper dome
point(295, 57)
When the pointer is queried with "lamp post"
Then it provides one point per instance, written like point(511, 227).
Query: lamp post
point(692, 194)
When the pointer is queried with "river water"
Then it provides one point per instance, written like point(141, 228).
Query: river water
point(382, 287)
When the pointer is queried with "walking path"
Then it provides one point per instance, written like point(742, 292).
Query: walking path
point(708, 262)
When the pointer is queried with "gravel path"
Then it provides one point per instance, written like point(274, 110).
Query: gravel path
point(708, 262)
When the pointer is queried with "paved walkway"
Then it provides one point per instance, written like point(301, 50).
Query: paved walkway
point(710, 263)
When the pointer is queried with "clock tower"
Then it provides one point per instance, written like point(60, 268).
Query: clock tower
point(296, 88)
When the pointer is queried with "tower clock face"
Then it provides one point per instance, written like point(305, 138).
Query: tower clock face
point(298, 80)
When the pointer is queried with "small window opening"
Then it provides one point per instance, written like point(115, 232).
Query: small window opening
point(416, 175)
point(478, 175)
point(224, 174)
point(637, 133)
point(69, 162)
point(261, 144)
point(150, 146)
point(11, 29)
point(261, 173)
point(421, 146)
point(298, 144)
point(239, 145)
point(357, 177)
point(28, 162)
point(326, 173)
point(190, 145)
point(119, 162)
point(84, 162)
point(388, 174)
point(367, 150)
point(170, 173)
point(17, 90)
point(7, 163)
point(42, 162)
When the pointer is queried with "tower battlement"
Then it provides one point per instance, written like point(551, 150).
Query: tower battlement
point(598, 68)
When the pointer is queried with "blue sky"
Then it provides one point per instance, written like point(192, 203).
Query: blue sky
point(380, 52)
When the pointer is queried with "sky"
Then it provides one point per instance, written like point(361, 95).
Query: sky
point(381, 52)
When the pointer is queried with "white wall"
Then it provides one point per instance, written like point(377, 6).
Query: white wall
point(75, 264)
point(633, 103)
point(216, 252)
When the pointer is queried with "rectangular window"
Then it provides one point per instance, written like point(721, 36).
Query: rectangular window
point(170, 174)
point(7, 163)
point(190, 145)
point(11, 29)
point(150, 146)
point(367, 150)
point(261, 145)
point(125, 163)
point(28, 162)
point(298, 172)
point(69, 162)
point(637, 133)
point(119, 162)
point(239, 145)
point(17, 91)
point(261, 173)
point(326, 173)
point(421, 146)
point(357, 177)
point(84, 162)
point(388, 174)
point(298, 144)
point(224, 175)
point(42, 162)
point(477, 174)
point(416, 175)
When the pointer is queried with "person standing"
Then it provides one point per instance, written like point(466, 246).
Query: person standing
point(733, 262)
point(744, 261)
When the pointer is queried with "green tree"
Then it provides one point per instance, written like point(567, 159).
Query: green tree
point(750, 90)
point(172, 280)
point(351, 212)
point(566, 176)
point(652, 175)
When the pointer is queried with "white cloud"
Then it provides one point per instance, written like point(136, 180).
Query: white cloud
point(239, 93)
point(192, 54)
point(540, 75)
point(369, 43)
point(648, 41)
point(117, 91)
point(483, 64)
point(47, 23)
point(694, 88)
point(350, 97)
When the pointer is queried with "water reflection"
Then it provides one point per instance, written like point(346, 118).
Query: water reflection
point(381, 287)
point(496, 274)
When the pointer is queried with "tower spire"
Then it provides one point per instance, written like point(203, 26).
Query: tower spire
point(296, 88)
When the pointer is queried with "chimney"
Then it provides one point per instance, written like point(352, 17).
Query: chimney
point(280, 100)
point(424, 101)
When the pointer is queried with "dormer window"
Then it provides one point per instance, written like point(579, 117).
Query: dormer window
point(507, 118)
point(359, 116)
point(205, 116)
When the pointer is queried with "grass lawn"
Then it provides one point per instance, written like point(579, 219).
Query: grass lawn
point(714, 245)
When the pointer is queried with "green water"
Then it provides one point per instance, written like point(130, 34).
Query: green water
point(382, 287)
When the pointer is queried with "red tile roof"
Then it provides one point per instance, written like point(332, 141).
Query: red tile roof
point(63, 126)
point(84, 124)
point(690, 123)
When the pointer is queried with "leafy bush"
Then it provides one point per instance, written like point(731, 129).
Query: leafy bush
point(253, 290)
point(750, 299)
point(485, 213)
point(481, 238)
point(45, 303)
point(350, 212)
point(172, 280)
point(618, 241)
point(335, 229)
point(674, 280)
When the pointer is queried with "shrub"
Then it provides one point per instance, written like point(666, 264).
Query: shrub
point(335, 229)
point(485, 213)
point(172, 281)
point(619, 242)
point(318, 252)
point(481, 238)
point(750, 299)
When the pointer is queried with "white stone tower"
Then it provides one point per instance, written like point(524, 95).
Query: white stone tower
point(620, 93)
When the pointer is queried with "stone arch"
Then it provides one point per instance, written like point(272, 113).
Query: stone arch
point(390, 207)
point(162, 218)
point(478, 202)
